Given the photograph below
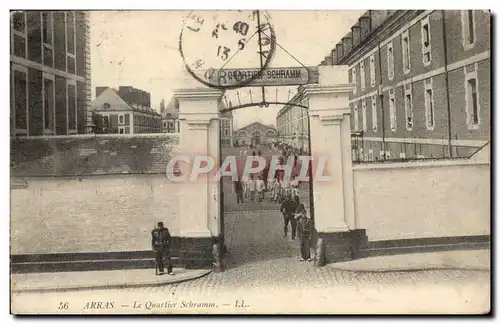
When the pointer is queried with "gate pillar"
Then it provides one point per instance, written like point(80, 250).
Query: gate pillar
point(199, 209)
point(330, 136)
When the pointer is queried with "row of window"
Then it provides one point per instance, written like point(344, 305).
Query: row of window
point(468, 33)
point(20, 38)
point(20, 110)
point(471, 102)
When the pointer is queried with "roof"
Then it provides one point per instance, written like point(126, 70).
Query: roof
point(91, 155)
point(116, 103)
point(171, 108)
point(256, 125)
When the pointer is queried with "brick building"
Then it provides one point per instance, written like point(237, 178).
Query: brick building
point(126, 110)
point(422, 84)
point(50, 72)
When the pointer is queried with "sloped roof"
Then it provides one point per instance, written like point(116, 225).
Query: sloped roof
point(256, 125)
point(171, 108)
point(112, 98)
point(91, 155)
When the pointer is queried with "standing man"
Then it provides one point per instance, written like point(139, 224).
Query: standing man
point(260, 188)
point(161, 246)
point(306, 233)
point(238, 188)
point(252, 186)
point(288, 208)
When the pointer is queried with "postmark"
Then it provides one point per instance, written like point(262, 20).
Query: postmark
point(213, 41)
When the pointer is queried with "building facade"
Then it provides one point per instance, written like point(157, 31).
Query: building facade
point(293, 125)
point(126, 110)
point(50, 72)
point(422, 84)
point(256, 134)
point(170, 117)
point(226, 129)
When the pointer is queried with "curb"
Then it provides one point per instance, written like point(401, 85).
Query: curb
point(416, 269)
point(109, 286)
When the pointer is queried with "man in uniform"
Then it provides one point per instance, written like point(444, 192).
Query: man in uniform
point(161, 246)
point(288, 207)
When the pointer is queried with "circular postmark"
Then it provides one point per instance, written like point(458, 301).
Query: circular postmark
point(227, 49)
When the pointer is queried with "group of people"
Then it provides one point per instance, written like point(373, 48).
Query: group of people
point(294, 213)
point(254, 187)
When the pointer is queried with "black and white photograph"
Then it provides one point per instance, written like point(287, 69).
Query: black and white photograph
point(250, 162)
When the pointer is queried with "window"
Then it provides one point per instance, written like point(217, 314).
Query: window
point(71, 93)
point(354, 80)
point(226, 132)
point(70, 43)
point(472, 99)
point(426, 41)
point(20, 96)
point(48, 104)
point(405, 45)
point(106, 106)
point(392, 110)
point(362, 74)
point(356, 116)
point(408, 107)
point(19, 35)
point(70, 32)
point(390, 61)
point(363, 111)
point(47, 36)
point(429, 104)
point(468, 29)
point(374, 114)
point(121, 130)
point(121, 119)
point(372, 70)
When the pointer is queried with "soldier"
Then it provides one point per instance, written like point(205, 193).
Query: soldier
point(161, 246)
point(306, 233)
point(288, 207)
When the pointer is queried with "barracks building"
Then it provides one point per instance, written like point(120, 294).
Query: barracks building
point(422, 85)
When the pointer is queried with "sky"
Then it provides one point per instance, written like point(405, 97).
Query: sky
point(141, 49)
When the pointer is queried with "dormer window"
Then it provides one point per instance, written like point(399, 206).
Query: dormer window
point(106, 106)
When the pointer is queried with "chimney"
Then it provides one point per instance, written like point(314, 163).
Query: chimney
point(162, 106)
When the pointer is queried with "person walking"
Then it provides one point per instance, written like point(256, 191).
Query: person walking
point(270, 189)
point(252, 186)
point(294, 184)
point(260, 188)
point(305, 229)
point(238, 188)
point(160, 243)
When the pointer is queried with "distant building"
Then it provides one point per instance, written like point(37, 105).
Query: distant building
point(422, 84)
point(226, 129)
point(50, 72)
point(126, 110)
point(256, 134)
point(171, 124)
point(170, 117)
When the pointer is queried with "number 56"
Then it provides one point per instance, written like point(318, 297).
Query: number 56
point(63, 305)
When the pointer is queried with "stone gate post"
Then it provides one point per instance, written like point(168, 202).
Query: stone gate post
point(199, 208)
point(330, 136)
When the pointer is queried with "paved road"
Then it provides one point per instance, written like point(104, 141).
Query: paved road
point(263, 268)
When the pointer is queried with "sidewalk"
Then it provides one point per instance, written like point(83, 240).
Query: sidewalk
point(75, 280)
point(466, 260)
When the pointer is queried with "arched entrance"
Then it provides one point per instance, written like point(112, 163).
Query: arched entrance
point(206, 221)
point(256, 138)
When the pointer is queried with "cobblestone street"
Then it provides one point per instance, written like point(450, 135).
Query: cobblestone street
point(263, 269)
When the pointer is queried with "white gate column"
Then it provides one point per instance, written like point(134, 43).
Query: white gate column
point(330, 136)
point(199, 208)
